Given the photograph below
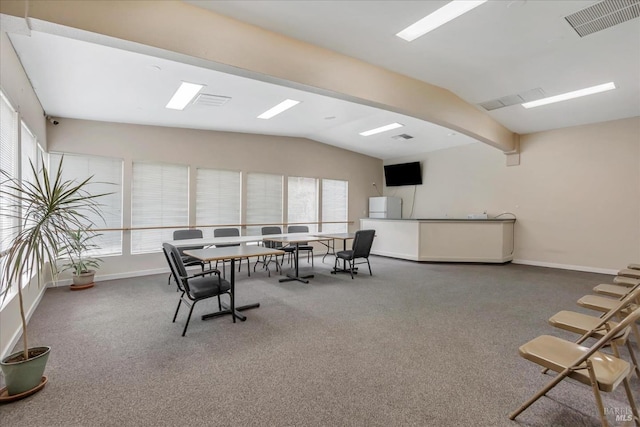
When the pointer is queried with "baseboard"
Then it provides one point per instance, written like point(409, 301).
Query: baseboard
point(104, 277)
point(17, 335)
point(566, 267)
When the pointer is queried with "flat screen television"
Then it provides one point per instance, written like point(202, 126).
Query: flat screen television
point(403, 174)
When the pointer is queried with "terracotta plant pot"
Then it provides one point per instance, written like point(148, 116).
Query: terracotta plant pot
point(83, 280)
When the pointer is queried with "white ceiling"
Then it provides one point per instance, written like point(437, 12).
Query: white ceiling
point(500, 48)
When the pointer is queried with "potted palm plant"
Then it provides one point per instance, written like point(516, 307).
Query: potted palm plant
point(46, 212)
point(82, 265)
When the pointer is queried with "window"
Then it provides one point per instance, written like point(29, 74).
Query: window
point(159, 198)
point(217, 198)
point(8, 165)
point(335, 201)
point(28, 153)
point(106, 179)
point(264, 201)
point(303, 201)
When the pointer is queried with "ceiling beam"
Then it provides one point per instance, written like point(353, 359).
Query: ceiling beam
point(180, 31)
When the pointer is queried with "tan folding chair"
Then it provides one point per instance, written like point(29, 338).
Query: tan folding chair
point(603, 372)
point(604, 305)
point(629, 272)
point(626, 281)
point(597, 327)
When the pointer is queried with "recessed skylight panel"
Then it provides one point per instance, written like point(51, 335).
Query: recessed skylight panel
point(183, 96)
point(381, 129)
point(570, 95)
point(274, 111)
point(446, 13)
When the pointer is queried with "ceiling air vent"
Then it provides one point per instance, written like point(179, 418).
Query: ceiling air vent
point(518, 98)
point(211, 100)
point(402, 136)
point(603, 15)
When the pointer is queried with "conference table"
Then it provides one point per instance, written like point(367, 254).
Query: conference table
point(295, 239)
point(232, 253)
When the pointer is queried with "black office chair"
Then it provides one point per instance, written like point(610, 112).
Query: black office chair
point(187, 260)
point(229, 232)
point(272, 245)
point(361, 249)
point(302, 246)
point(196, 287)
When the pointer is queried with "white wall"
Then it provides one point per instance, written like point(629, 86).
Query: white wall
point(576, 193)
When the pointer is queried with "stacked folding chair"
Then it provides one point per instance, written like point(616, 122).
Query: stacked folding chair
point(619, 304)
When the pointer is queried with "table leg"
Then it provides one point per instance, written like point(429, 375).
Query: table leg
point(297, 277)
point(233, 309)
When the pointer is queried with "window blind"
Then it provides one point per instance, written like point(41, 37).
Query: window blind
point(159, 198)
point(8, 165)
point(303, 201)
point(335, 205)
point(264, 201)
point(107, 178)
point(217, 198)
point(28, 153)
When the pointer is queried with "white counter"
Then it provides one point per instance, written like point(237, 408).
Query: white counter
point(445, 240)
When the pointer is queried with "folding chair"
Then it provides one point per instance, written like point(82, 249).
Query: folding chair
point(597, 327)
point(604, 305)
point(629, 272)
point(603, 372)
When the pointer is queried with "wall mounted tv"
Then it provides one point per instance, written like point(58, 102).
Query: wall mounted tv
point(403, 174)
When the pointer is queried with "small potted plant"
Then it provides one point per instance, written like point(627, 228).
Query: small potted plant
point(76, 250)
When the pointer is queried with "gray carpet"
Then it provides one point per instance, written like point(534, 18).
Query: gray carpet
point(416, 344)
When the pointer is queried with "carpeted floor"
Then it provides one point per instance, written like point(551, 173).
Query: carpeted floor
point(414, 345)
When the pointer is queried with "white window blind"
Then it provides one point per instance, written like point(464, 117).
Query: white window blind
point(264, 201)
point(159, 198)
point(28, 153)
point(8, 165)
point(303, 201)
point(335, 205)
point(217, 198)
point(106, 178)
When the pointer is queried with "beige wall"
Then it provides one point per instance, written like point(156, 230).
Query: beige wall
point(576, 193)
point(198, 148)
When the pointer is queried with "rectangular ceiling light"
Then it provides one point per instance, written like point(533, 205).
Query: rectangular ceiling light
point(183, 95)
point(381, 129)
point(446, 13)
point(283, 106)
point(570, 95)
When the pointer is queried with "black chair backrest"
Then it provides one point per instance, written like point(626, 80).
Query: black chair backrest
point(272, 230)
point(362, 243)
point(170, 253)
point(226, 232)
point(298, 229)
point(192, 233)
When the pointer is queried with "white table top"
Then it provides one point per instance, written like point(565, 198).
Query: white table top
point(294, 238)
point(339, 236)
point(210, 241)
point(231, 252)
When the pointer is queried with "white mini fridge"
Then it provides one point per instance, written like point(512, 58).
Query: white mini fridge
point(385, 207)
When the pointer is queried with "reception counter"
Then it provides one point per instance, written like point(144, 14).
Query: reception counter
point(443, 240)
